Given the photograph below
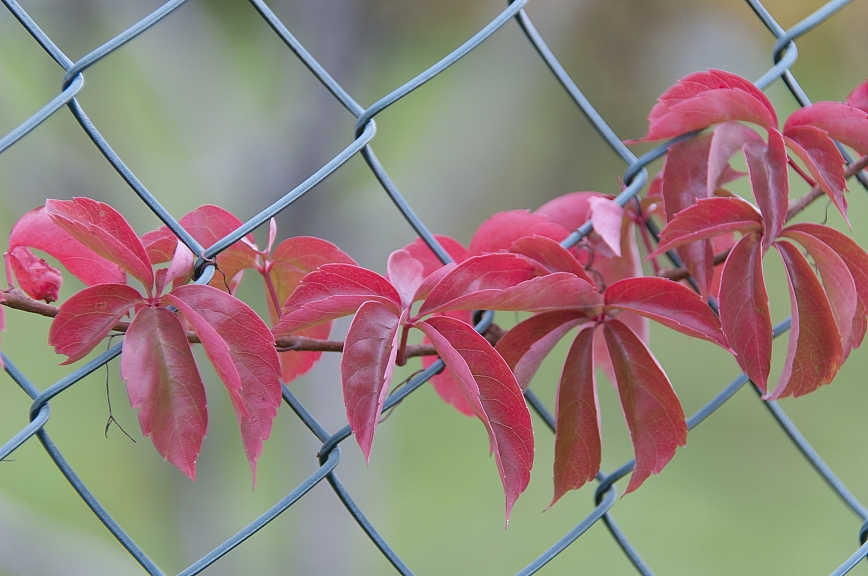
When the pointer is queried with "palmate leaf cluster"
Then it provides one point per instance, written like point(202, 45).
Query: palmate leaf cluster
point(516, 261)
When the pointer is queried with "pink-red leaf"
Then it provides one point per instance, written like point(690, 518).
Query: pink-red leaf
point(88, 316)
point(727, 139)
point(333, 291)
point(501, 230)
point(35, 276)
point(444, 383)
point(527, 343)
point(815, 352)
point(551, 255)
point(406, 274)
point(607, 217)
point(822, 159)
point(858, 98)
point(430, 262)
point(838, 282)
point(705, 98)
point(495, 396)
point(181, 265)
point(767, 165)
point(846, 124)
point(251, 350)
point(669, 303)
point(2, 325)
point(744, 309)
point(367, 364)
point(164, 384)
point(654, 415)
point(708, 218)
point(857, 262)
point(37, 230)
point(578, 449)
point(102, 229)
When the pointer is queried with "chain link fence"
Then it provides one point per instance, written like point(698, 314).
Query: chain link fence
point(329, 456)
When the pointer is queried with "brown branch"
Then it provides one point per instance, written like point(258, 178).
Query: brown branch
point(793, 209)
point(18, 300)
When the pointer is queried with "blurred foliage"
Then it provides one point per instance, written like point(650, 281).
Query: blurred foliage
point(210, 107)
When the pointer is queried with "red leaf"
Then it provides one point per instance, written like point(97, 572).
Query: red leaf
point(35, 276)
point(163, 382)
point(2, 325)
point(251, 350)
point(406, 275)
point(814, 353)
point(578, 449)
point(669, 303)
point(846, 124)
point(705, 98)
point(607, 217)
point(501, 230)
point(727, 139)
point(685, 179)
point(333, 291)
point(102, 229)
point(37, 230)
point(88, 316)
point(858, 98)
point(708, 218)
point(767, 165)
point(857, 262)
point(492, 391)
point(367, 364)
point(551, 255)
point(160, 244)
point(208, 224)
point(444, 384)
point(654, 415)
point(181, 266)
point(430, 262)
point(744, 309)
point(292, 260)
point(822, 159)
point(838, 282)
point(526, 344)
point(570, 210)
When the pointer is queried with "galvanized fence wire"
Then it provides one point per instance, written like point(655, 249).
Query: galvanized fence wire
point(635, 177)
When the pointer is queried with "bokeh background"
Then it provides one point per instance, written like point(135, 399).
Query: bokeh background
point(210, 107)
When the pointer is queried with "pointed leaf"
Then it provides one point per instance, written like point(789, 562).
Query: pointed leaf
point(551, 255)
point(727, 139)
point(856, 260)
point(526, 344)
point(164, 384)
point(251, 350)
point(669, 303)
point(88, 316)
point(570, 210)
point(430, 262)
point(406, 275)
point(446, 386)
point(102, 229)
point(705, 98)
point(35, 276)
point(333, 291)
point(367, 364)
point(501, 230)
point(182, 265)
point(654, 415)
point(607, 217)
point(708, 218)
point(822, 159)
point(160, 244)
point(767, 165)
point(492, 391)
point(37, 230)
point(744, 309)
point(578, 449)
point(815, 352)
point(838, 282)
point(846, 124)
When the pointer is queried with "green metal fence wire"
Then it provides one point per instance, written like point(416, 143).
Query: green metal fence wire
point(635, 178)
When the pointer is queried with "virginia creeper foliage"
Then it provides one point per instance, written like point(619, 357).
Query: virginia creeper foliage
point(516, 261)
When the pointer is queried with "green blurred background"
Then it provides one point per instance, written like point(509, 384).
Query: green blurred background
point(210, 107)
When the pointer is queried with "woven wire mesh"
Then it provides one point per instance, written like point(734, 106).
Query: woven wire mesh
point(328, 456)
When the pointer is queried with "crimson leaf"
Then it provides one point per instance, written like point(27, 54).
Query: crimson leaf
point(708, 218)
point(767, 165)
